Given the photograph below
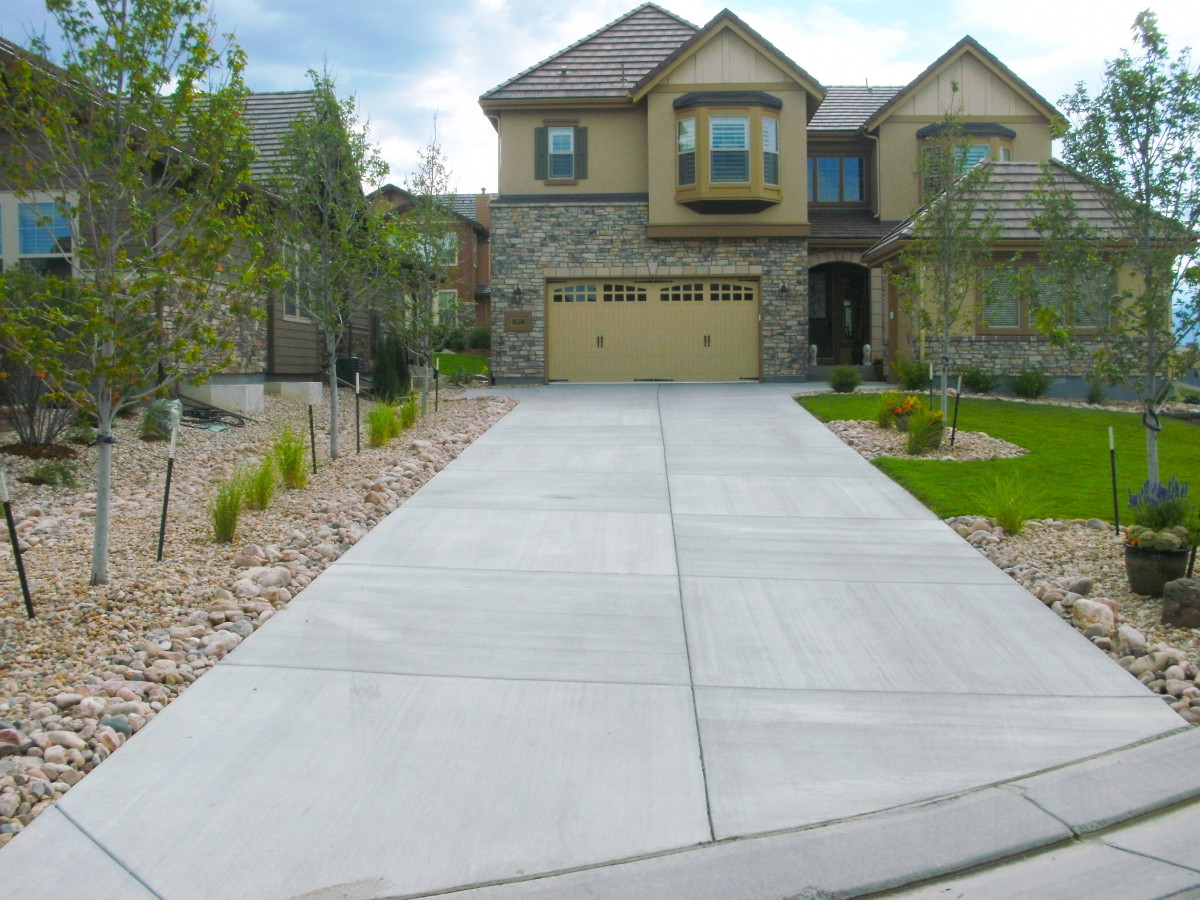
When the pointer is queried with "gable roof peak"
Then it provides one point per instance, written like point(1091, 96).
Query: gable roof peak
point(605, 63)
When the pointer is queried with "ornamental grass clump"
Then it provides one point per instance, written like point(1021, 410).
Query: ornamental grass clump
point(1008, 501)
point(383, 424)
point(1164, 519)
point(258, 485)
point(408, 411)
point(288, 452)
point(224, 508)
point(925, 430)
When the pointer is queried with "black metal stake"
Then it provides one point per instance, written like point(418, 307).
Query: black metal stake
point(162, 525)
point(357, 418)
point(436, 382)
point(312, 437)
point(16, 546)
point(1112, 462)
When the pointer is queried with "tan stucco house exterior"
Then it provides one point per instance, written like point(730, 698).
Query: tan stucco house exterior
point(684, 203)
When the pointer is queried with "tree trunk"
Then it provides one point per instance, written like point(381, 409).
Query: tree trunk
point(103, 494)
point(1150, 420)
point(425, 378)
point(333, 407)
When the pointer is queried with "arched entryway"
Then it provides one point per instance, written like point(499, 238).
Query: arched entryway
point(839, 313)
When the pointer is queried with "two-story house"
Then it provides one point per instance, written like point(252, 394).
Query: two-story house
point(683, 203)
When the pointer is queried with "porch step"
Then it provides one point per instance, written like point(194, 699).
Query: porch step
point(822, 373)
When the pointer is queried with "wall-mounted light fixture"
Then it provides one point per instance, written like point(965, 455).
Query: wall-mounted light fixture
point(784, 292)
point(517, 293)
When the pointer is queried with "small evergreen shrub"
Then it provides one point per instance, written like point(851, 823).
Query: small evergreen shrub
point(845, 379)
point(409, 410)
point(54, 472)
point(978, 381)
point(390, 379)
point(258, 485)
point(383, 424)
point(156, 420)
point(288, 453)
point(81, 434)
point(479, 338)
point(1095, 394)
point(224, 508)
point(1030, 383)
point(455, 340)
point(925, 430)
point(911, 374)
point(1008, 501)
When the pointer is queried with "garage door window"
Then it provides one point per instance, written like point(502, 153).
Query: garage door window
point(575, 293)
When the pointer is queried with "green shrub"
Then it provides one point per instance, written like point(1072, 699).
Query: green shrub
point(409, 410)
point(1095, 394)
point(911, 374)
point(1030, 383)
point(978, 381)
point(288, 453)
point(383, 424)
point(54, 472)
point(81, 434)
point(224, 508)
point(390, 379)
point(479, 338)
point(156, 420)
point(455, 339)
point(845, 379)
point(258, 485)
point(1008, 501)
point(925, 430)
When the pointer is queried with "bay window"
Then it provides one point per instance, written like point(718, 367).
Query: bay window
point(685, 148)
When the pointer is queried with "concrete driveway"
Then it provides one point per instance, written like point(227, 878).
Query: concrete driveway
point(629, 623)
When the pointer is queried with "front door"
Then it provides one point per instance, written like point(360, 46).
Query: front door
point(838, 321)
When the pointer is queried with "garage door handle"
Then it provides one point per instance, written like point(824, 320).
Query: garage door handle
point(708, 340)
point(600, 340)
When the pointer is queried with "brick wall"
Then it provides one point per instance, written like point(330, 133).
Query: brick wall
point(535, 242)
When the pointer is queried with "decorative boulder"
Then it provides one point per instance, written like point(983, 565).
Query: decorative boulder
point(1181, 603)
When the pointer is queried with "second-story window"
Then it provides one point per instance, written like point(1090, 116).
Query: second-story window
point(562, 152)
point(44, 238)
point(835, 179)
point(729, 153)
point(686, 150)
point(770, 150)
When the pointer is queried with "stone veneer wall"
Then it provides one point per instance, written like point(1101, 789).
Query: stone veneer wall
point(1009, 354)
point(535, 242)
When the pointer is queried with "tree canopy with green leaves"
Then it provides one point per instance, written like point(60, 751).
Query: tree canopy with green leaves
point(131, 152)
point(951, 242)
point(1138, 140)
point(426, 226)
point(334, 240)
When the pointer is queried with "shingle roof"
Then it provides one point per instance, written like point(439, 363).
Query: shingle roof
point(847, 224)
point(269, 117)
point(1009, 190)
point(606, 63)
point(848, 107)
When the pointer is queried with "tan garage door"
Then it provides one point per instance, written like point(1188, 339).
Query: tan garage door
point(681, 330)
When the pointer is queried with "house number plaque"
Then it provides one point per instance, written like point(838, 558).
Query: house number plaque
point(518, 321)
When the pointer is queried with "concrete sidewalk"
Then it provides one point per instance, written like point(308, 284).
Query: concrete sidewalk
point(628, 624)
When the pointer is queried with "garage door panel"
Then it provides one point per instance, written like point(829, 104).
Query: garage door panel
point(681, 330)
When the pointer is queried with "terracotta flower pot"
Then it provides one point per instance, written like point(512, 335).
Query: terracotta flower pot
point(1149, 570)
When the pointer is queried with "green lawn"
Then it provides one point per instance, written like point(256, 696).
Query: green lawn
point(1067, 463)
point(450, 363)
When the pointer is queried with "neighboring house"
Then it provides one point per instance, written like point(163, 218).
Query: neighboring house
point(467, 255)
point(683, 203)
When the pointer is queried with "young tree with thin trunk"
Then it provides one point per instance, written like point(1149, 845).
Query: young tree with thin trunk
point(951, 244)
point(333, 239)
point(1138, 140)
point(132, 157)
point(427, 228)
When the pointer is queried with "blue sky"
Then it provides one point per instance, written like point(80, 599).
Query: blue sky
point(409, 60)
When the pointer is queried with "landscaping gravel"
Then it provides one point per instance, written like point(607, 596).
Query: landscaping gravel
point(97, 663)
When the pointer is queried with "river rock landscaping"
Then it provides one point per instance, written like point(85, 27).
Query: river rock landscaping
point(98, 663)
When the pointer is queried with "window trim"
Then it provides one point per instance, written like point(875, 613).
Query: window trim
point(711, 197)
point(11, 205)
point(812, 176)
point(541, 152)
point(1025, 326)
point(294, 286)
